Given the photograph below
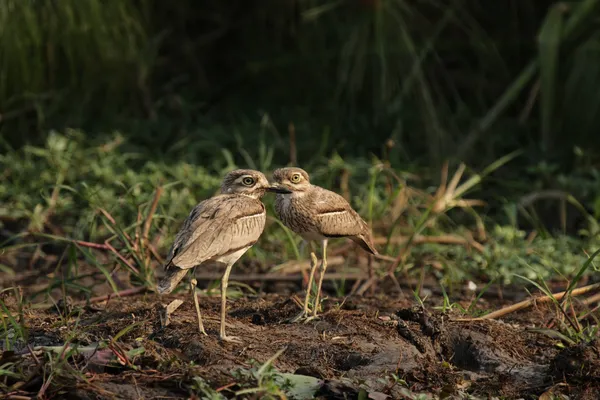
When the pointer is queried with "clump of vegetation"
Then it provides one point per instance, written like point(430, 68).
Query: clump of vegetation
point(465, 135)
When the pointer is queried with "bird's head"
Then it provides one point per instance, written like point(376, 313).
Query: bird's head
point(292, 179)
point(248, 182)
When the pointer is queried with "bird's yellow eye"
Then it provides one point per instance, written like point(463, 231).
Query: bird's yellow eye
point(295, 178)
point(248, 181)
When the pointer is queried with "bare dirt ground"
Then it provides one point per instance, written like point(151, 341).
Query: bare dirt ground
point(379, 346)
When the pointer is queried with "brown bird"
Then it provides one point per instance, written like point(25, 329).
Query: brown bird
point(220, 229)
point(316, 214)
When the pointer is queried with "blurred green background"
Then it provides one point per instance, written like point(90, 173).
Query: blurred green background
point(461, 79)
point(410, 83)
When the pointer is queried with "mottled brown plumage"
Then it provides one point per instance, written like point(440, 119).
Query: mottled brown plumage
point(220, 229)
point(317, 214)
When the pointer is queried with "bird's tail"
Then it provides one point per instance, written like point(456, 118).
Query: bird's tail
point(365, 240)
point(171, 279)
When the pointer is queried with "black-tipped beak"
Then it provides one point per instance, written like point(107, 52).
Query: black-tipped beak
point(277, 188)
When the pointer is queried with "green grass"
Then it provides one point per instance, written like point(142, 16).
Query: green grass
point(60, 197)
point(117, 118)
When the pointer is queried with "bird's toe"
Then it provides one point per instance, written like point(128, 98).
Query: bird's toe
point(231, 339)
point(311, 318)
point(298, 318)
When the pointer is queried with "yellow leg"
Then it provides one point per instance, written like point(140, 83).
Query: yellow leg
point(311, 278)
point(321, 276)
point(224, 283)
point(193, 284)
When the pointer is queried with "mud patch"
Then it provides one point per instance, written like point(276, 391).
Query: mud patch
point(385, 351)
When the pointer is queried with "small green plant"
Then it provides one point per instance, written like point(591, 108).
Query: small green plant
point(203, 389)
point(268, 383)
point(571, 331)
point(14, 333)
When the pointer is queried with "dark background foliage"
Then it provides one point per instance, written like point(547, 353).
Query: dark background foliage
point(453, 79)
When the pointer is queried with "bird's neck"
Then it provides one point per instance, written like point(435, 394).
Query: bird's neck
point(294, 195)
point(253, 195)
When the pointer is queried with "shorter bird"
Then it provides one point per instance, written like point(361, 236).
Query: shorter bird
point(220, 229)
point(316, 214)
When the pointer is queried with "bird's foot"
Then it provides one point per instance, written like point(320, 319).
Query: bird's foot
point(311, 318)
point(202, 331)
point(230, 339)
point(302, 316)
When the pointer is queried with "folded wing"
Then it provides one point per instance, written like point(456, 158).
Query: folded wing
point(217, 227)
point(337, 218)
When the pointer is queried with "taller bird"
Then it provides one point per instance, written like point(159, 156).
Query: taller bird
point(317, 214)
point(220, 229)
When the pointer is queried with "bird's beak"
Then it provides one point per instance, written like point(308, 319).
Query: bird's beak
point(277, 188)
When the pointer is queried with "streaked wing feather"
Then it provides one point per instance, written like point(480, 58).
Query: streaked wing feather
point(221, 225)
point(335, 215)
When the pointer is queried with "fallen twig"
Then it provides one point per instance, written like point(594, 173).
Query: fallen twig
point(443, 239)
point(363, 288)
point(277, 277)
point(123, 293)
point(295, 265)
point(91, 245)
point(592, 299)
point(526, 303)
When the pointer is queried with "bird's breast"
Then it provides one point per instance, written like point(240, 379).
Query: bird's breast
point(296, 215)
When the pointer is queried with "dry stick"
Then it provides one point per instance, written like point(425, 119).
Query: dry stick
point(369, 282)
point(108, 216)
point(526, 303)
point(111, 248)
point(342, 249)
point(120, 257)
point(112, 221)
point(17, 397)
point(355, 287)
point(148, 222)
point(293, 266)
point(591, 299)
point(122, 293)
point(443, 239)
point(225, 387)
point(155, 253)
point(91, 245)
point(383, 257)
point(277, 277)
point(138, 237)
point(590, 312)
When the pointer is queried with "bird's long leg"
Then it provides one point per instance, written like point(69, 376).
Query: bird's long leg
point(224, 283)
point(193, 284)
point(321, 276)
point(311, 278)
